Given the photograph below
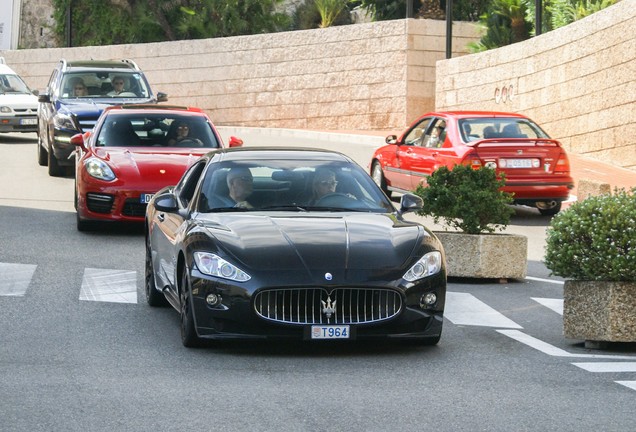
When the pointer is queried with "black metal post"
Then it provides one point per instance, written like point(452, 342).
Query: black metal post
point(69, 24)
point(449, 28)
point(409, 8)
point(538, 17)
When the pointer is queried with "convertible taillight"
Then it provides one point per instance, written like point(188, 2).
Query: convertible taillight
point(562, 165)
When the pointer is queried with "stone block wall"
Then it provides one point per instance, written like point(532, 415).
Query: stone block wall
point(372, 76)
point(578, 82)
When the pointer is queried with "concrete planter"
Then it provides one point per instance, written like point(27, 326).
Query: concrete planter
point(599, 311)
point(488, 256)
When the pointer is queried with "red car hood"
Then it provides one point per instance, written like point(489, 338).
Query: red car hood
point(149, 165)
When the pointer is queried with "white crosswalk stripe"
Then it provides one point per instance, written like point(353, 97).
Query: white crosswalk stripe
point(554, 304)
point(466, 309)
point(15, 278)
point(116, 286)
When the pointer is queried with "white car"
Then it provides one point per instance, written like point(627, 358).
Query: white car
point(18, 103)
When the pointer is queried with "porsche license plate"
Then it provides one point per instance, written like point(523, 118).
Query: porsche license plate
point(330, 332)
point(145, 198)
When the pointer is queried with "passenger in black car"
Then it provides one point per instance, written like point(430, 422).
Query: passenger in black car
point(324, 183)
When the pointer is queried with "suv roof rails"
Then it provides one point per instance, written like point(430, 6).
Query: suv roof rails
point(123, 63)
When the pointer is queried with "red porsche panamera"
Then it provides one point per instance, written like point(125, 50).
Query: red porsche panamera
point(536, 167)
point(133, 151)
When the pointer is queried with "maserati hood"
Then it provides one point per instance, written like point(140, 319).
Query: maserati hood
point(317, 243)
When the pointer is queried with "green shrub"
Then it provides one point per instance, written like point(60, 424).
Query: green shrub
point(466, 199)
point(595, 239)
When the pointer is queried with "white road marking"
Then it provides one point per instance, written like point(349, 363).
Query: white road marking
point(465, 309)
point(608, 366)
point(551, 350)
point(552, 281)
point(116, 286)
point(630, 384)
point(15, 279)
point(554, 304)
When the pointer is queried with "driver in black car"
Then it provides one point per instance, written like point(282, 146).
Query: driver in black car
point(324, 183)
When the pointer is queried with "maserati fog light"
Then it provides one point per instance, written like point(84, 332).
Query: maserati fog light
point(213, 299)
point(427, 300)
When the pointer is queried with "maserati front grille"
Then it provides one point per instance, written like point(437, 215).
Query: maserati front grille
point(321, 306)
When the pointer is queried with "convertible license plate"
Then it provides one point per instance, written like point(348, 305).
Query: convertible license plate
point(29, 121)
point(516, 163)
point(330, 332)
point(145, 198)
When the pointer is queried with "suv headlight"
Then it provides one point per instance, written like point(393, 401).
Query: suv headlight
point(62, 121)
point(99, 169)
point(214, 265)
point(428, 265)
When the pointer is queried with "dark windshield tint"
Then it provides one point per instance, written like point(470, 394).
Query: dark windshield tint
point(156, 130)
point(291, 185)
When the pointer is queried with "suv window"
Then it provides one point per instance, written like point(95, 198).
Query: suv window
point(101, 84)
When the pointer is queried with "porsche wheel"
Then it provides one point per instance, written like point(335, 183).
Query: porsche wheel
point(189, 336)
point(153, 296)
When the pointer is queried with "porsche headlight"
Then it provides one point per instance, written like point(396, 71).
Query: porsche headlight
point(99, 169)
point(429, 264)
point(214, 265)
point(63, 121)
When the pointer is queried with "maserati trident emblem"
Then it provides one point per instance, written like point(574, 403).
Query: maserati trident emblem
point(328, 308)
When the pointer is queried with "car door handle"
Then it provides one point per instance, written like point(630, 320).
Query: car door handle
point(161, 217)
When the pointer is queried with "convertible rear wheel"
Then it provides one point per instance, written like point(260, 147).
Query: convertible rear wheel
point(153, 296)
point(548, 208)
point(189, 336)
point(378, 178)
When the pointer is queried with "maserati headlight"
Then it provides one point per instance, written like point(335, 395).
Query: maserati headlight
point(214, 265)
point(62, 121)
point(99, 169)
point(428, 265)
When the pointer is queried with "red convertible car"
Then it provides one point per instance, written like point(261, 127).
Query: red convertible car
point(133, 151)
point(536, 167)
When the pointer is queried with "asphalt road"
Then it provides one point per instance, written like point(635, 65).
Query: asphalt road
point(76, 355)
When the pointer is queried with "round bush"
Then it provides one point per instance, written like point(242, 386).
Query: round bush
point(595, 239)
point(467, 199)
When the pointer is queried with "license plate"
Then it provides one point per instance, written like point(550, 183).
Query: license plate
point(515, 163)
point(330, 332)
point(145, 198)
point(29, 121)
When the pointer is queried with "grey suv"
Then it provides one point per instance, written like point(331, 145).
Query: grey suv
point(76, 95)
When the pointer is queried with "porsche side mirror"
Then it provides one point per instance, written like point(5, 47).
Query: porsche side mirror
point(79, 140)
point(410, 202)
point(235, 142)
point(391, 139)
point(166, 202)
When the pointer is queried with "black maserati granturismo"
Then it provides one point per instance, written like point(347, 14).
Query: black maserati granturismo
point(287, 243)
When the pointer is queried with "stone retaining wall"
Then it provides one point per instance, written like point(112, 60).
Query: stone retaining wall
point(372, 76)
point(578, 82)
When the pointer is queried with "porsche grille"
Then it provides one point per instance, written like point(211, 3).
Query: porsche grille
point(313, 305)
